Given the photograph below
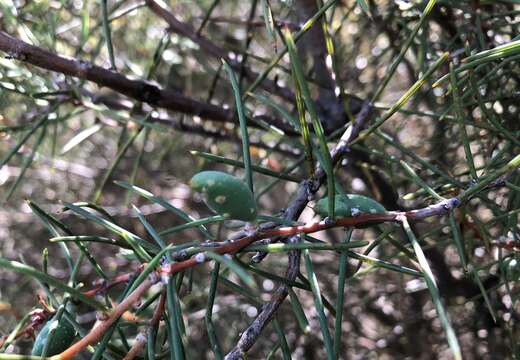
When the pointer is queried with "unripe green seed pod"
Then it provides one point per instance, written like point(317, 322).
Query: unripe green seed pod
point(61, 339)
point(348, 205)
point(225, 194)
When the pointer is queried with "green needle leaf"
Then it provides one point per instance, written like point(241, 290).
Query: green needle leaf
point(313, 280)
point(243, 125)
point(434, 291)
point(298, 73)
point(45, 278)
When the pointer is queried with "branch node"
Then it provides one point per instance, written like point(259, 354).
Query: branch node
point(165, 274)
point(401, 218)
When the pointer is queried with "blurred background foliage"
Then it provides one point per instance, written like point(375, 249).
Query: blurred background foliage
point(71, 139)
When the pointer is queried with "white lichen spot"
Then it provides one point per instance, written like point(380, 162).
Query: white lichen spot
point(355, 211)
point(252, 210)
point(153, 277)
point(249, 229)
point(211, 182)
point(165, 278)
point(372, 211)
point(200, 258)
point(142, 338)
point(349, 196)
point(221, 199)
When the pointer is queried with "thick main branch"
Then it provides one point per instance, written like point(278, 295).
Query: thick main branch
point(136, 89)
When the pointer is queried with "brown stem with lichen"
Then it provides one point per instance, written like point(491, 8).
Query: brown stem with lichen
point(141, 338)
point(95, 334)
point(139, 342)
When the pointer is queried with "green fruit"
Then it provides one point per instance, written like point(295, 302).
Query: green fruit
point(61, 339)
point(225, 194)
point(347, 205)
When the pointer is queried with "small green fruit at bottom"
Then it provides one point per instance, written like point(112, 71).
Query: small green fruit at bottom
point(61, 339)
point(348, 205)
point(226, 195)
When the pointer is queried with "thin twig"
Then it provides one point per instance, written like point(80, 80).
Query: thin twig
point(141, 338)
point(103, 286)
point(211, 48)
point(137, 346)
point(251, 334)
point(255, 22)
point(97, 333)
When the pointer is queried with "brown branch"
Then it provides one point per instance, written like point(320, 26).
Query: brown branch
point(438, 209)
point(141, 338)
point(113, 102)
point(140, 90)
point(137, 346)
point(251, 334)
point(256, 23)
point(103, 286)
point(214, 50)
point(209, 47)
point(95, 334)
point(157, 315)
point(136, 89)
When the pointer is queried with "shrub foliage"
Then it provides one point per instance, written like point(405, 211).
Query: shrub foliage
point(354, 187)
